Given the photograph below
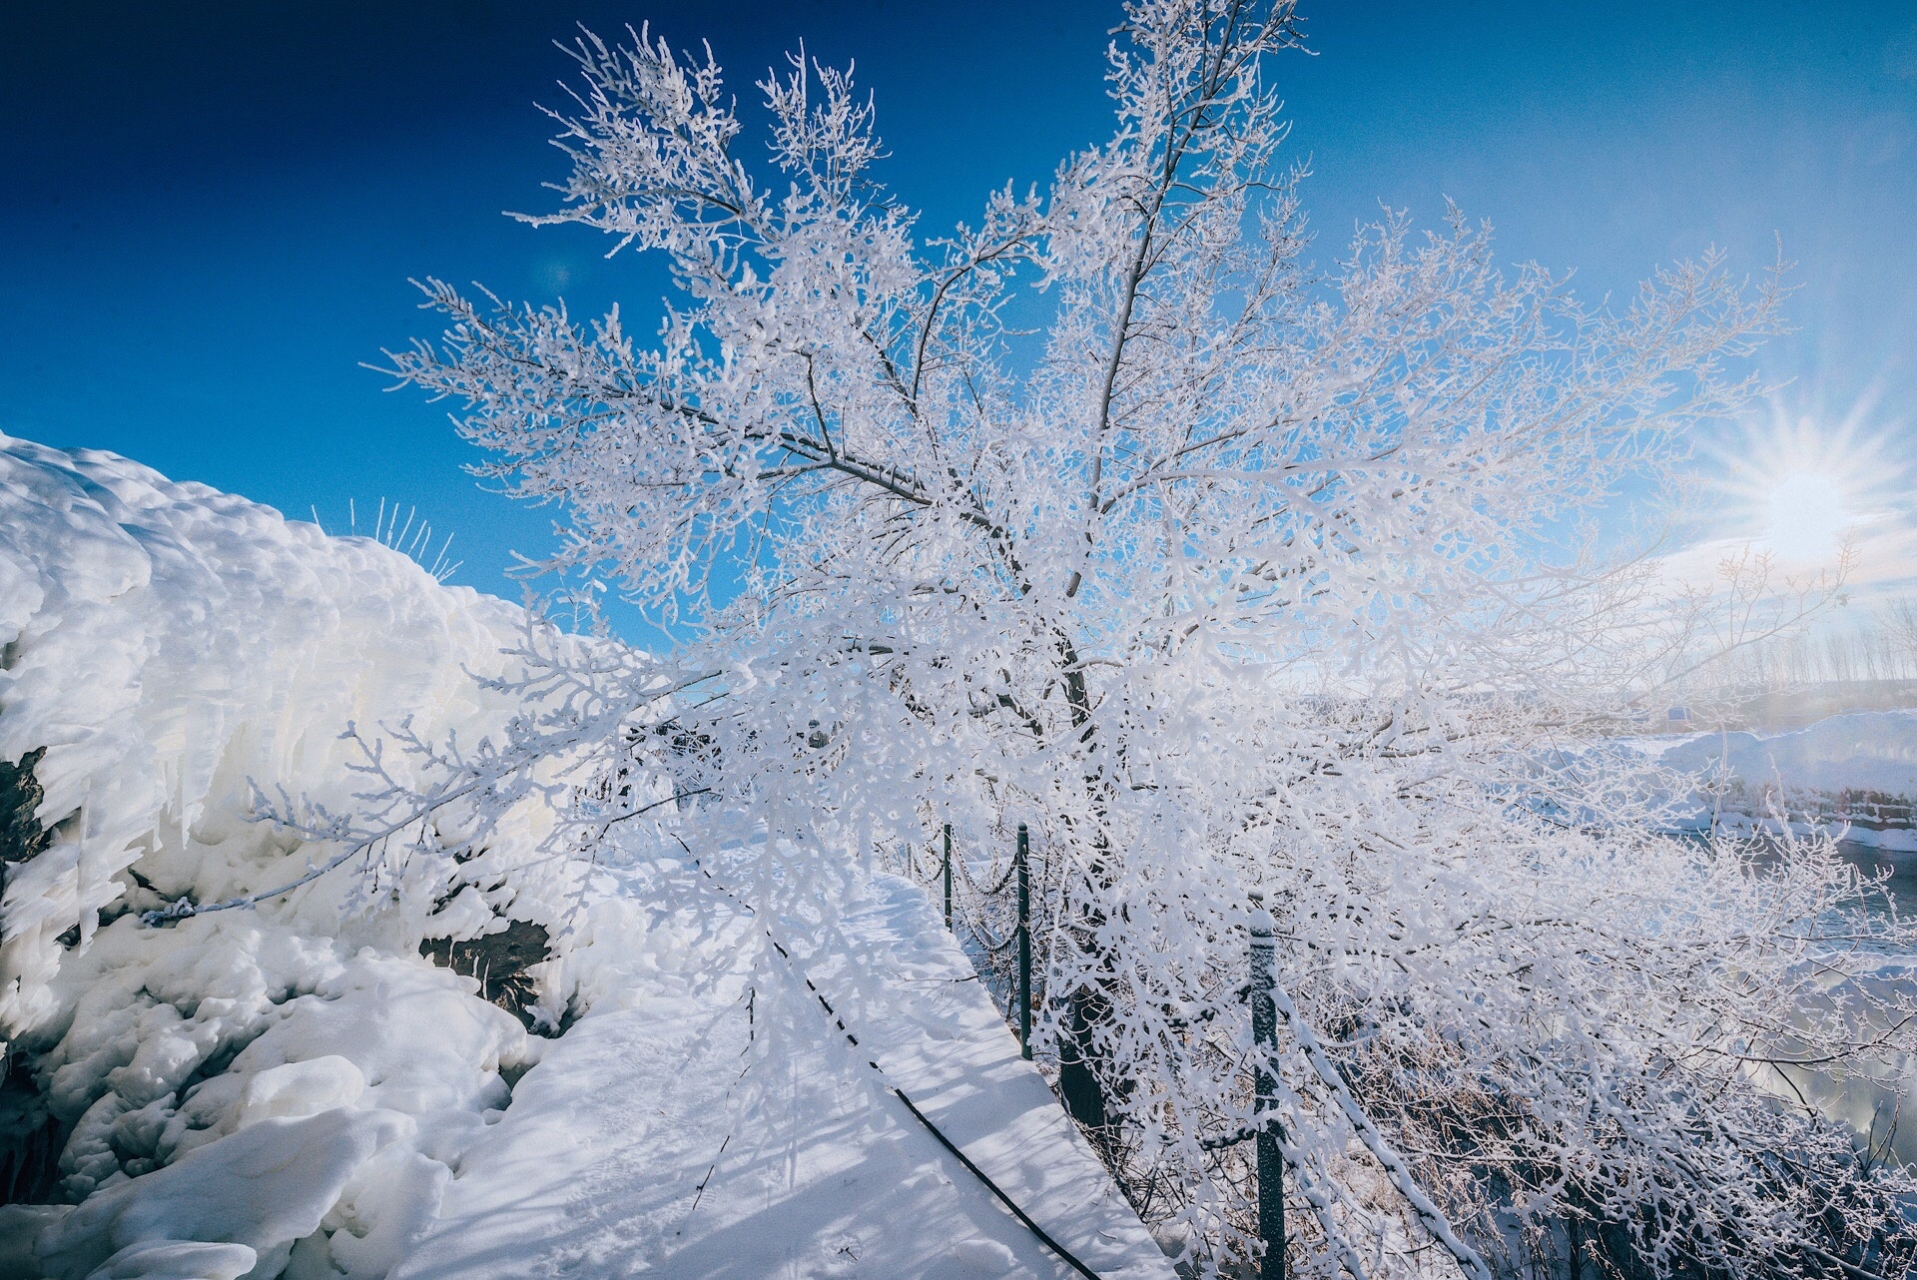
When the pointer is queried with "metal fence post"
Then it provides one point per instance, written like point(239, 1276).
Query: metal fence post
point(1264, 1033)
point(948, 876)
point(1024, 943)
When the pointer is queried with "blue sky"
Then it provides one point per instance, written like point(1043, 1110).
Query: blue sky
point(210, 211)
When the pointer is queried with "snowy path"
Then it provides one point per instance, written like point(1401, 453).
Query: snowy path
point(811, 1167)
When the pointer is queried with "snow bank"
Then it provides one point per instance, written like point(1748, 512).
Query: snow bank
point(225, 1088)
point(1855, 771)
point(1862, 751)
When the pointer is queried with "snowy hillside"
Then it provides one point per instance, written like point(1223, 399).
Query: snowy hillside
point(297, 1088)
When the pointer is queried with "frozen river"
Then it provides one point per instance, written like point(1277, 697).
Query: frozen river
point(1900, 889)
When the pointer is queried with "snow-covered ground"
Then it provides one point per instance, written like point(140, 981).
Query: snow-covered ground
point(292, 1089)
point(711, 1119)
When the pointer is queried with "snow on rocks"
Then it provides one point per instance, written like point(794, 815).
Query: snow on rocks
point(230, 1086)
point(357, 1083)
point(261, 1190)
point(164, 644)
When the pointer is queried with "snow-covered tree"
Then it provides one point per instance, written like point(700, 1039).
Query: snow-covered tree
point(1236, 574)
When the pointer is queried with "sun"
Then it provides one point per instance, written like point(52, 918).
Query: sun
point(1806, 517)
point(1803, 487)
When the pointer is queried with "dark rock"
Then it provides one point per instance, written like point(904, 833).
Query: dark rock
point(499, 961)
point(21, 836)
point(31, 1139)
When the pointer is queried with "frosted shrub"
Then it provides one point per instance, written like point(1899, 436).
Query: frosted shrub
point(1238, 573)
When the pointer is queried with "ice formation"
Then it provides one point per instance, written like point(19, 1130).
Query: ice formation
point(233, 1083)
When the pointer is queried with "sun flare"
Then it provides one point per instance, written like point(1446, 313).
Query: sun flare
point(1803, 487)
